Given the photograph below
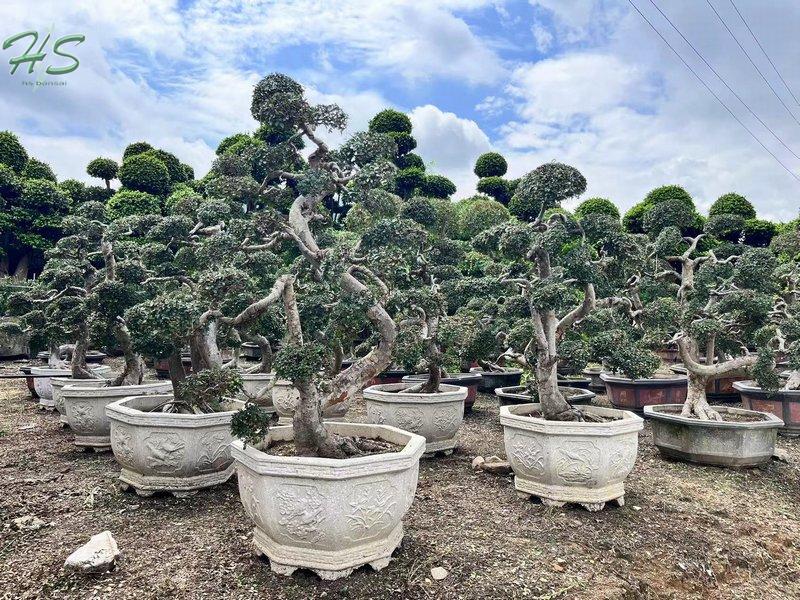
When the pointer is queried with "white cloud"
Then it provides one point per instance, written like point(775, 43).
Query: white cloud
point(543, 37)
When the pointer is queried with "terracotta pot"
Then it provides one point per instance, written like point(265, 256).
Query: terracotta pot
point(491, 380)
point(519, 395)
point(635, 394)
point(471, 381)
point(719, 389)
point(784, 404)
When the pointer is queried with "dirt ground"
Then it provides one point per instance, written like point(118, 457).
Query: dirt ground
point(685, 532)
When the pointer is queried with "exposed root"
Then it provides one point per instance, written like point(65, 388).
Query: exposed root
point(338, 446)
point(701, 410)
point(575, 414)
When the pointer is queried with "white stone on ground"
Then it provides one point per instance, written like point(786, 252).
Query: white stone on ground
point(95, 556)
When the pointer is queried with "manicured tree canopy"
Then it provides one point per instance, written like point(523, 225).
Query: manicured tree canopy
point(135, 148)
point(437, 186)
point(74, 189)
point(390, 121)
point(545, 187)
point(177, 174)
point(410, 160)
point(405, 142)
point(229, 141)
point(131, 202)
point(759, 232)
point(145, 173)
point(103, 168)
point(490, 164)
point(12, 153)
point(732, 204)
point(408, 180)
point(36, 169)
point(597, 206)
point(633, 221)
point(668, 192)
point(478, 214)
point(496, 187)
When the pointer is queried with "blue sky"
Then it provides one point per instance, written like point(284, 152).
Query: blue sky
point(579, 81)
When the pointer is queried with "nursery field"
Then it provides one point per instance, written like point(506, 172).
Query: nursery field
point(685, 531)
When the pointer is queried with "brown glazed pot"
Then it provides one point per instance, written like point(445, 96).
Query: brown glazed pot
point(635, 394)
point(161, 365)
point(471, 381)
point(784, 404)
point(29, 382)
point(719, 389)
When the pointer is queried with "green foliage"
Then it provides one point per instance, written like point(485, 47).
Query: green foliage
point(175, 168)
point(490, 164)
point(129, 202)
point(251, 424)
point(545, 187)
point(389, 121)
point(10, 183)
point(667, 213)
point(145, 173)
point(163, 324)
point(478, 214)
point(496, 187)
point(666, 193)
point(633, 221)
point(759, 232)
point(12, 153)
point(230, 141)
point(297, 362)
point(437, 186)
point(409, 160)
point(633, 360)
point(594, 206)
point(134, 149)
point(421, 210)
point(732, 204)
point(405, 142)
point(408, 180)
point(103, 168)
point(209, 388)
point(573, 356)
point(36, 169)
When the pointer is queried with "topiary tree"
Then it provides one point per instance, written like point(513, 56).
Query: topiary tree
point(36, 169)
point(12, 152)
point(478, 214)
point(390, 121)
point(496, 187)
point(437, 186)
point(103, 168)
point(490, 164)
point(732, 204)
point(144, 172)
point(134, 149)
point(129, 202)
point(596, 206)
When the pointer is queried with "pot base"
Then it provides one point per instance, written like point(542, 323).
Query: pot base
point(47, 404)
point(180, 487)
point(98, 443)
point(592, 499)
point(285, 560)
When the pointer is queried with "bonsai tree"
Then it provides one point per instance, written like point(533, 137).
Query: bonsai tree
point(490, 168)
point(103, 168)
point(31, 209)
point(557, 265)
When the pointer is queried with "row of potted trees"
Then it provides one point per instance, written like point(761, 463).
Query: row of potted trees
point(312, 259)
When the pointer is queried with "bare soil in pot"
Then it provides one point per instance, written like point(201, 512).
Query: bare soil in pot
point(698, 523)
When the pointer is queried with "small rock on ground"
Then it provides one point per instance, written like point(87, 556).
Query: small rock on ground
point(477, 462)
point(439, 573)
point(95, 556)
point(28, 522)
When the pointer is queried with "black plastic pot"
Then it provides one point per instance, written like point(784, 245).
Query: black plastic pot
point(519, 395)
point(471, 381)
point(390, 376)
point(251, 351)
point(491, 380)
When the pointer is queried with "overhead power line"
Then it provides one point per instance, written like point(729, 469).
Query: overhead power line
point(713, 93)
point(725, 83)
point(752, 62)
point(772, 64)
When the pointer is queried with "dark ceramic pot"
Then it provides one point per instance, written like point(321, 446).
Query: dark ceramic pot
point(491, 380)
point(635, 394)
point(29, 382)
point(161, 366)
point(389, 376)
point(471, 381)
point(719, 389)
point(669, 355)
point(575, 382)
point(784, 404)
point(251, 351)
point(519, 395)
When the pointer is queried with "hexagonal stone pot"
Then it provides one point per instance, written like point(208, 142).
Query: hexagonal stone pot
point(784, 404)
point(471, 381)
point(584, 463)
point(635, 394)
point(58, 384)
point(328, 515)
point(436, 417)
point(170, 452)
point(85, 408)
point(256, 388)
point(44, 385)
point(285, 398)
point(720, 443)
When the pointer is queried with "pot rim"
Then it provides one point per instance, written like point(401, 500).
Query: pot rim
point(77, 391)
point(748, 385)
point(496, 373)
point(466, 378)
point(630, 422)
point(392, 393)
point(505, 391)
point(648, 382)
point(657, 412)
point(308, 467)
point(66, 373)
point(257, 376)
point(118, 411)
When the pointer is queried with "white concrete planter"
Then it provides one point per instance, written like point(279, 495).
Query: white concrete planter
point(569, 461)
point(44, 385)
point(257, 388)
point(331, 516)
point(166, 452)
point(58, 384)
point(285, 398)
point(436, 417)
point(85, 408)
